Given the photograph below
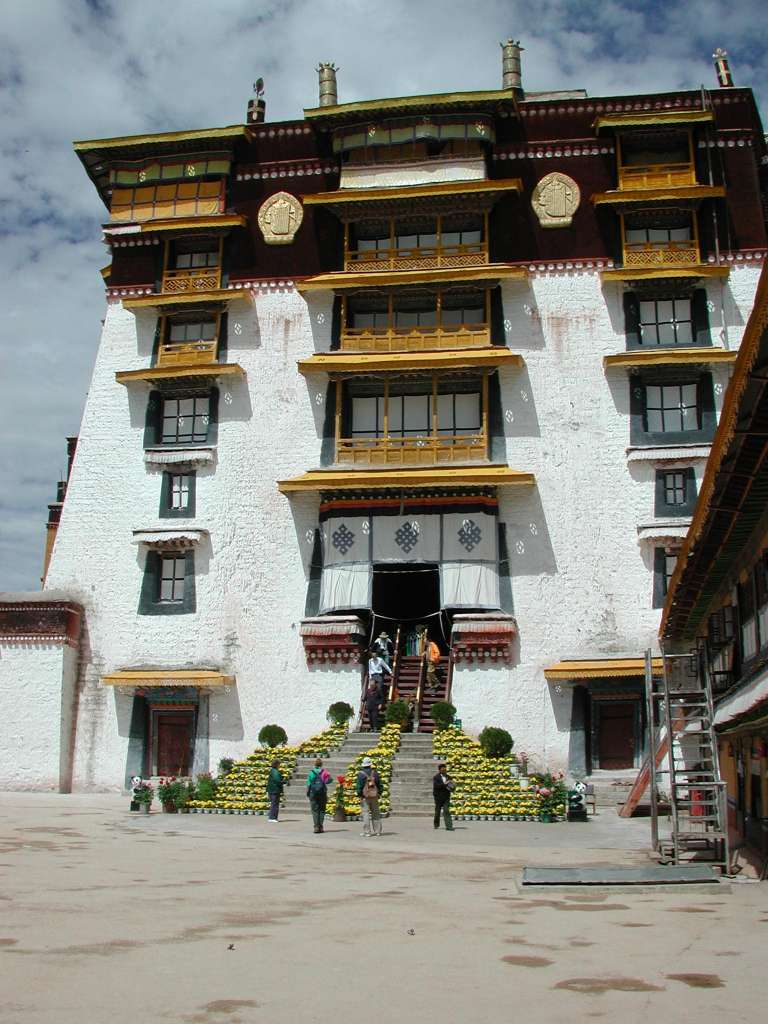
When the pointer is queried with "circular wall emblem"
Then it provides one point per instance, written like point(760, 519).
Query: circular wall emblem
point(280, 218)
point(555, 200)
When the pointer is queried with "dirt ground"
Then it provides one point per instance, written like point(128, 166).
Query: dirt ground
point(107, 916)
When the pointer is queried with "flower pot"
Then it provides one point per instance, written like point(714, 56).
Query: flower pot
point(545, 818)
point(168, 807)
point(339, 815)
point(145, 808)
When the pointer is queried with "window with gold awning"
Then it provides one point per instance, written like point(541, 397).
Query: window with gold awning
point(168, 677)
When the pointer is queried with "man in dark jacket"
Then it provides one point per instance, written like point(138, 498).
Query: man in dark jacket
point(275, 784)
point(369, 789)
point(317, 791)
point(442, 785)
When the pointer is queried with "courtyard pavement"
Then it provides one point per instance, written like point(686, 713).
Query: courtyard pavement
point(109, 917)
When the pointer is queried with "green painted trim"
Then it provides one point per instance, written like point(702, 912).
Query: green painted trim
point(661, 508)
point(165, 511)
point(149, 604)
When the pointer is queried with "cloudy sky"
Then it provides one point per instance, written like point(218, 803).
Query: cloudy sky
point(83, 69)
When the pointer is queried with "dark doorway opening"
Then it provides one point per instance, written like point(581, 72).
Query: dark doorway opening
point(406, 592)
point(616, 724)
point(172, 733)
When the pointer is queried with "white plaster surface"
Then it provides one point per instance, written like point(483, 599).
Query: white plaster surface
point(426, 172)
point(582, 585)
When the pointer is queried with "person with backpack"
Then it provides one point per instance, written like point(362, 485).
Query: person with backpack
point(368, 789)
point(317, 791)
point(275, 784)
point(442, 787)
point(374, 691)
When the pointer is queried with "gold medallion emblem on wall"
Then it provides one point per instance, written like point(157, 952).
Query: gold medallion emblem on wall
point(555, 200)
point(280, 218)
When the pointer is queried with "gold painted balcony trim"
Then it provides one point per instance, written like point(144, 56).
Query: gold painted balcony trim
point(652, 195)
point(205, 222)
point(650, 273)
point(436, 257)
point(361, 362)
point(661, 175)
point(610, 668)
point(341, 281)
point(387, 477)
point(187, 298)
point(652, 117)
point(442, 188)
point(191, 280)
point(425, 450)
point(415, 339)
point(195, 371)
point(661, 356)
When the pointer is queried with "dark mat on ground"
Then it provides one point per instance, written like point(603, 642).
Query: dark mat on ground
point(652, 874)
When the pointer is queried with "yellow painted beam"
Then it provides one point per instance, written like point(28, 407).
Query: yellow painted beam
point(351, 362)
point(155, 373)
point(388, 477)
point(407, 102)
point(443, 188)
point(232, 131)
point(654, 195)
point(651, 118)
point(600, 668)
point(186, 298)
point(648, 273)
point(168, 677)
point(218, 221)
point(670, 357)
point(384, 279)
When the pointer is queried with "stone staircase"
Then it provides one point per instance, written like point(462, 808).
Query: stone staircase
point(412, 770)
point(611, 788)
point(337, 763)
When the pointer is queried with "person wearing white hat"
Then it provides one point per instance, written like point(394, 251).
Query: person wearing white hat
point(368, 789)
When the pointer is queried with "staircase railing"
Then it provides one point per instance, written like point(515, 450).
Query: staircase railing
point(393, 679)
point(420, 685)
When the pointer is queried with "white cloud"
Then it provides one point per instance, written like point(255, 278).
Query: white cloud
point(75, 69)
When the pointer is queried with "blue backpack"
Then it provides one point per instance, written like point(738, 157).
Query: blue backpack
point(316, 785)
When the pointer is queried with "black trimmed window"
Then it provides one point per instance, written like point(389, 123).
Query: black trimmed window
point(666, 321)
point(675, 492)
point(664, 563)
point(177, 495)
point(168, 587)
point(669, 409)
point(182, 418)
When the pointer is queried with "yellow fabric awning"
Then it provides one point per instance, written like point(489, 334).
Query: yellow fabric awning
point(669, 357)
point(187, 298)
point(603, 668)
point(389, 477)
point(192, 373)
point(168, 677)
point(448, 359)
point(651, 273)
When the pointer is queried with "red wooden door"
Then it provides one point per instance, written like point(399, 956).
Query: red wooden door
point(616, 733)
point(174, 742)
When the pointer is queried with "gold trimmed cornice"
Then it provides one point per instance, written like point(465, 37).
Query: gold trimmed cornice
point(363, 362)
point(218, 222)
point(187, 298)
point(603, 668)
point(670, 193)
point(389, 477)
point(231, 131)
point(649, 273)
point(409, 192)
point(365, 108)
point(341, 281)
point(197, 372)
point(651, 118)
point(168, 677)
point(670, 357)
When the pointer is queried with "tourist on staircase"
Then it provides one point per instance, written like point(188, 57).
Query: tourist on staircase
point(275, 784)
point(382, 645)
point(374, 693)
point(317, 791)
point(368, 789)
point(432, 654)
point(442, 786)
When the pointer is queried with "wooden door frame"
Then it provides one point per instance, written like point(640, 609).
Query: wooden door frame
point(153, 711)
point(596, 698)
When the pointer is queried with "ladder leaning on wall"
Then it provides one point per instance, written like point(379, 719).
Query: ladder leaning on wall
point(681, 717)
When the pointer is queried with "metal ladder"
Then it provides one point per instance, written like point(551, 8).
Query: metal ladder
point(680, 709)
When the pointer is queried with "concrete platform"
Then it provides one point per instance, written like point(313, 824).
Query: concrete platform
point(649, 874)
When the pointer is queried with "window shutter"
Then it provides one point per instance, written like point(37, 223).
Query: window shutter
point(497, 440)
point(213, 417)
point(632, 320)
point(707, 407)
point(498, 334)
point(312, 604)
point(659, 565)
point(328, 447)
point(150, 584)
point(505, 573)
point(223, 338)
point(336, 324)
point(156, 341)
point(152, 423)
point(189, 603)
point(701, 331)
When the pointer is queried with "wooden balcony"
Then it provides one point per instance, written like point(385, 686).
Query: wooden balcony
point(650, 255)
point(412, 451)
point(439, 257)
point(187, 353)
point(415, 339)
point(197, 279)
point(656, 176)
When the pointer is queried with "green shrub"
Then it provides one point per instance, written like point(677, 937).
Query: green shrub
point(205, 788)
point(495, 742)
point(340, 713)
point(273, 736)
point(397, 713)
point(443, 714)
point(226, 764)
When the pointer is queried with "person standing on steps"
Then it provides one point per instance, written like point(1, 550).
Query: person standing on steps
point(432, 654)
point(374, 693)
point(368, 788)
point(442, 787)
point(275, 784)
point(383, 647)
point(317, 791)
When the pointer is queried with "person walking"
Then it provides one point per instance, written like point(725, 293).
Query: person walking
point(383, 647)
point(275, 784)
point(317, 791)
point(442, 787)
point(432, 654)
point(369, 789)
point(374, 693)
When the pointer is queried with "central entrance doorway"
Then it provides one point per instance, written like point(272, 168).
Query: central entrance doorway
point(406, 594)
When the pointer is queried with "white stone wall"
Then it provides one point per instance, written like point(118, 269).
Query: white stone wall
point(581, 583)
point(36, 690)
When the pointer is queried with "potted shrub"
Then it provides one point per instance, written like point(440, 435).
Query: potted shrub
point(495, 742)
point(143, 794)
point(273, 736)
point(173, 793)
point(397, 713)
point(226, 764)
point(340, 713)
point(339, 814)
point(443, 714)
point(206, 787)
